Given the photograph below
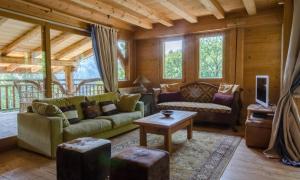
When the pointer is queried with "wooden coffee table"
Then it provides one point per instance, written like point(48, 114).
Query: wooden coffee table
point(159, 124)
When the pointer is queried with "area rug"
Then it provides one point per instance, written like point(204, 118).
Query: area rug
point(203, 157)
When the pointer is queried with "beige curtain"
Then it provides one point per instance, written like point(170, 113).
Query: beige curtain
point(285, 138)
point(105, 50)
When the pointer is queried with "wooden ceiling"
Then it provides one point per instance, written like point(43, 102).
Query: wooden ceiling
point(21, 41)
point(20, 47)
point(145, 13)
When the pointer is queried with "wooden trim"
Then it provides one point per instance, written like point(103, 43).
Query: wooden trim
point(46, 58)
point(2, 20)
point(177, 9)
point(214, 7)
point(37, 61)
point(250, 6)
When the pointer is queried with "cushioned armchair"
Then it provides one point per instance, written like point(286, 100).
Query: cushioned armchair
point(42, 134)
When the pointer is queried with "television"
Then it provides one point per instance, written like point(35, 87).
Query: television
point(262, 90)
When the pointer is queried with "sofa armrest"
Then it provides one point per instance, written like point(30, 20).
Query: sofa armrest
point(236, 106)
point(140, 107)
point(39, 133)
point(156, 92)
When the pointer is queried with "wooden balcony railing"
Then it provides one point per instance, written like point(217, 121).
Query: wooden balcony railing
point(17, 95)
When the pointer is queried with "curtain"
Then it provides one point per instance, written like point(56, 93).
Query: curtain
point(285, 137)
point(104, 41)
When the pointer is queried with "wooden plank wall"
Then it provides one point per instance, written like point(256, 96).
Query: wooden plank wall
point(249, 51)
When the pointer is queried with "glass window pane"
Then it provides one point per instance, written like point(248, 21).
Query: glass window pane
point(211, 57)
point(122, 60)
point(172, 61)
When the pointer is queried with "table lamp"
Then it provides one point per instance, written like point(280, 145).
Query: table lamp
point(141, 80)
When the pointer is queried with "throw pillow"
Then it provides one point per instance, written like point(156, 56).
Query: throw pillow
point(170, 97)
point(228, 88)
point(223, 99)
point(174, 87)
point(108, 108)
point(71, 113)
point(90, 109)
point(128, 102)
point(46, 109)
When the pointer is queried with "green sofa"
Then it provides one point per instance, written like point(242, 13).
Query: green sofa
point(42, 134)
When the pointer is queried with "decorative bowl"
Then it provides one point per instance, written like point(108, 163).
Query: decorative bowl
point(167, 113)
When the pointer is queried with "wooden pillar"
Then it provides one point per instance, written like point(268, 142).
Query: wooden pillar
point(69, 78)
point(46, 60)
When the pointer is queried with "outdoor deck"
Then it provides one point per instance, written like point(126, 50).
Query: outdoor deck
point(8, 124)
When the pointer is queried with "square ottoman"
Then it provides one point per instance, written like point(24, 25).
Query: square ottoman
point(83, 159)
point(138, 163)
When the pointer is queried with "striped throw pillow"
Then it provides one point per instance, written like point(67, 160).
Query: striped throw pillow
point(108, 108)
point(71, 113)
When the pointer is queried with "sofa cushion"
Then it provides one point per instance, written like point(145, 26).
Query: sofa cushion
point(170, 97)
point(128, 102)
point(88, 127)
point(70, 113)
point(110, 96)
point(122, 119)
point(90, 109)
point(194, 106)
point(46, 109)
point(76, 101)
point(108, 108)
point(223, 99)
point(59, 102)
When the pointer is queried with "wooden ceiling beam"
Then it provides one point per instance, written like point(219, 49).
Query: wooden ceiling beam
point(12, 67)
point(177, 9)
point(214, 7)
point(35, 61)
point(2, 20)
point(54, 42)
point(24, 37)
point(144, 10)
point(66, 51)
point(114, 12)
point(83, 55)
point(250, 6)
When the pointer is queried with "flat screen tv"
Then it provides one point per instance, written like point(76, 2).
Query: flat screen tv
point(262, 90)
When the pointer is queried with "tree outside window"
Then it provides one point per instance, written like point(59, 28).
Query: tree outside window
point(211, 57)
point(172, 61)
point(122, 60)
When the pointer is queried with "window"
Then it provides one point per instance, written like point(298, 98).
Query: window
point(122, 60)
point(211, 57)
point(172, 60)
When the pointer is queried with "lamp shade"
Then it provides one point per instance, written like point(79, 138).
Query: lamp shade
point(141, 80)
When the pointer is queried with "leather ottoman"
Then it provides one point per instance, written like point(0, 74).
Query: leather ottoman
point(137, 163)
point(83, 159)
point(258, 133)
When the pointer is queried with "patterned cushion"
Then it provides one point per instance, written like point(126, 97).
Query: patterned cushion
point(71, 113)
point(90, 109)
point(194, 106)
point(198, 92)
point(108, 108)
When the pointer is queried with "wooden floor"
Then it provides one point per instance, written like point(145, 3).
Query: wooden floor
point(246, 164)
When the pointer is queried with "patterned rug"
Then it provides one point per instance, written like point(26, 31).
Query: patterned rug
point(204, 157)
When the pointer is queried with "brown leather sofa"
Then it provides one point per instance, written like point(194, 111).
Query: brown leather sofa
point(198, 97)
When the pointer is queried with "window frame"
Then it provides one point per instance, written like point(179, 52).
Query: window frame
point(162, 53)
point(127, 68)
point(198, 64)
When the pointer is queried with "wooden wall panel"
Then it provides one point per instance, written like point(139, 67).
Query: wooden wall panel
point(262, 56)
point(249, 52)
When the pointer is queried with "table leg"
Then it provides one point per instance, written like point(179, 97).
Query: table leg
point(168, 142)
point(143, 137)
point(190, 130)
